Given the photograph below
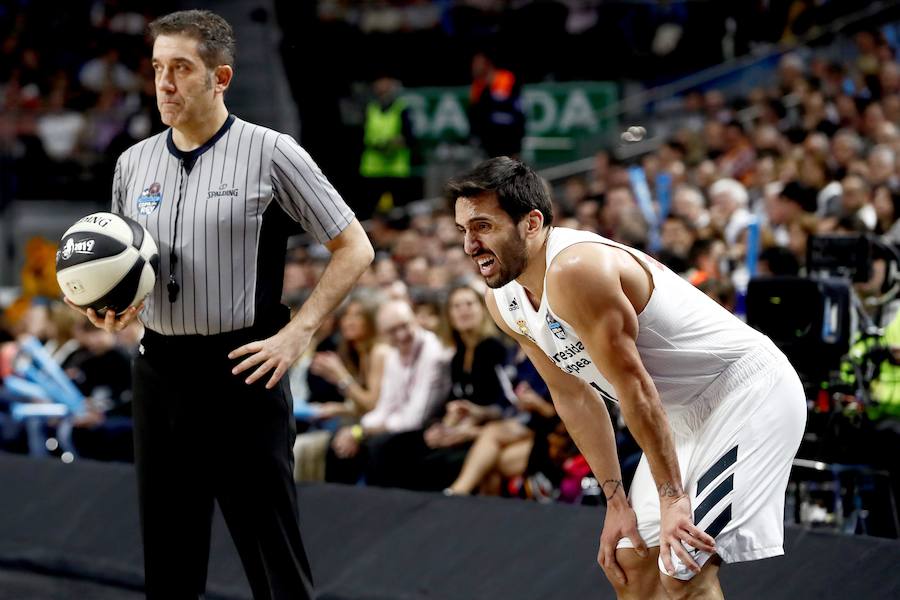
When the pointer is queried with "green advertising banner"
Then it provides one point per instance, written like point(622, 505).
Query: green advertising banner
point(560, 116)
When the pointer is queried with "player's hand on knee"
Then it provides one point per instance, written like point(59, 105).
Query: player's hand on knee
point(677, 529)
point(621, 522)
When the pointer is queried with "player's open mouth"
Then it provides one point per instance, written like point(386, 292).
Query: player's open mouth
point(486, 265)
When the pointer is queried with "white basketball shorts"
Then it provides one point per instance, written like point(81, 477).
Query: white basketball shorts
point(735, 469)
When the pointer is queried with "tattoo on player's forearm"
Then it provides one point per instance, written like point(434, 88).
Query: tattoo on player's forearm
point(614, 483)
point(667, 490)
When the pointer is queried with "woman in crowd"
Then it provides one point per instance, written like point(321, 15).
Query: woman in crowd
point(503, 447)
point(429, 459)
point(353, 367)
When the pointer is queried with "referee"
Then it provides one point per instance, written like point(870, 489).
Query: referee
point(213, 418)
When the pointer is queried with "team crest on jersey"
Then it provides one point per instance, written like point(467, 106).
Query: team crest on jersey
point(523, 329)
point(556, 328)
point(149, 199)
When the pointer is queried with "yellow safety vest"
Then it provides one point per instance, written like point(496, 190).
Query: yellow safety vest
point(886, 388)
point(381, 127)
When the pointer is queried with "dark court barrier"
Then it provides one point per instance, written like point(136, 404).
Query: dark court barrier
point(71, 531)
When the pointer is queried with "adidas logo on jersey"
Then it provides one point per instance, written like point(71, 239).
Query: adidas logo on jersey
point(513, 306)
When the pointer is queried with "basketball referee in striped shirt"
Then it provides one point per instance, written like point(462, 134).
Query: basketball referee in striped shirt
point(213, 417)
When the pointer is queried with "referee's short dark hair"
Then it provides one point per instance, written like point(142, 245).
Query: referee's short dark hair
point(518, 188)
point(214, 34)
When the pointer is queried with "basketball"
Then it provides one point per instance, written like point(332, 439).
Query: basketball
point(106, 262)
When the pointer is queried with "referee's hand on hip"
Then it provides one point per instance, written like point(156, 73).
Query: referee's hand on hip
point(278, 352)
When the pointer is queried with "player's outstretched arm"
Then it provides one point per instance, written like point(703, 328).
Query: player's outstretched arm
point(584, 287)
point(587, 420)
point(351, 254)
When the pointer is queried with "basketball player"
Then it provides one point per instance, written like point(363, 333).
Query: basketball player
point(213, 416)
point(716, 408)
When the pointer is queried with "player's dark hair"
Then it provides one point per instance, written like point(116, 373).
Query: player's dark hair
point(518, 188)
point(214, 34)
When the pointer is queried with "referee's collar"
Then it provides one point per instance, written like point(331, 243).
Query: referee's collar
point(190, 157)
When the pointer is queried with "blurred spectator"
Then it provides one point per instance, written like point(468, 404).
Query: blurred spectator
point(784, 208)
point(677, 236)
point(413, 384)
point(102, 371)
point(620, 217)
point(587, 215)
point(60, 128)
point(354, 367)
point(62, 342)
point(107, 71)
point(720, 290)
point(429, 459)
point(728, 208)
point(688, 202)
point(706, 260)
point(846, 147)
point(496, 118)
point(738, 157)
point(428, 315)
point(388, 140)
point(502, 448)
point(886, 203)
point(882, 167)
point(461, 268)
point(574, 192)
point(777, 261)
point(798, 232)
point(856, 201)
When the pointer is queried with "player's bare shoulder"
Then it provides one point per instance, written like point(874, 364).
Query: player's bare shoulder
point(586, 278)
point(582, 270)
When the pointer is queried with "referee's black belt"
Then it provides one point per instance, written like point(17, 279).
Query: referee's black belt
point(156, 342)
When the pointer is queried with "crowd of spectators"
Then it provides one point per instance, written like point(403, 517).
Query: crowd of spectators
point(409, 384)
point(816, 152)
point(649, 39)
point(76, 88)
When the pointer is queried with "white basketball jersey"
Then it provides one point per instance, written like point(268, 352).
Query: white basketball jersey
point(685, 340)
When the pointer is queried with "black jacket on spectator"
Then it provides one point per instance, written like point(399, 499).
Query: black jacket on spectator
point(481, 385)
point(105, 376)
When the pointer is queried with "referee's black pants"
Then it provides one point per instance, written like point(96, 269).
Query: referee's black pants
point(201, 434)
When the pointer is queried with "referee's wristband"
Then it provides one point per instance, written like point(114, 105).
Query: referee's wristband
point(357, 432)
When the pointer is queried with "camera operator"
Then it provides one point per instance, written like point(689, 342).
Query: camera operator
point(881, 426)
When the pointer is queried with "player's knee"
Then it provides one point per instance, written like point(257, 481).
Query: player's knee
point(640, 575)
point(704, 585)
point(696, 588)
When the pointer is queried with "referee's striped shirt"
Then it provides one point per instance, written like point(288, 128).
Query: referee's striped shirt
point(238, 198)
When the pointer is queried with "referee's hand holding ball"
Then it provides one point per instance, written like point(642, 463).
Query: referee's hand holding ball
point(110, 321)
